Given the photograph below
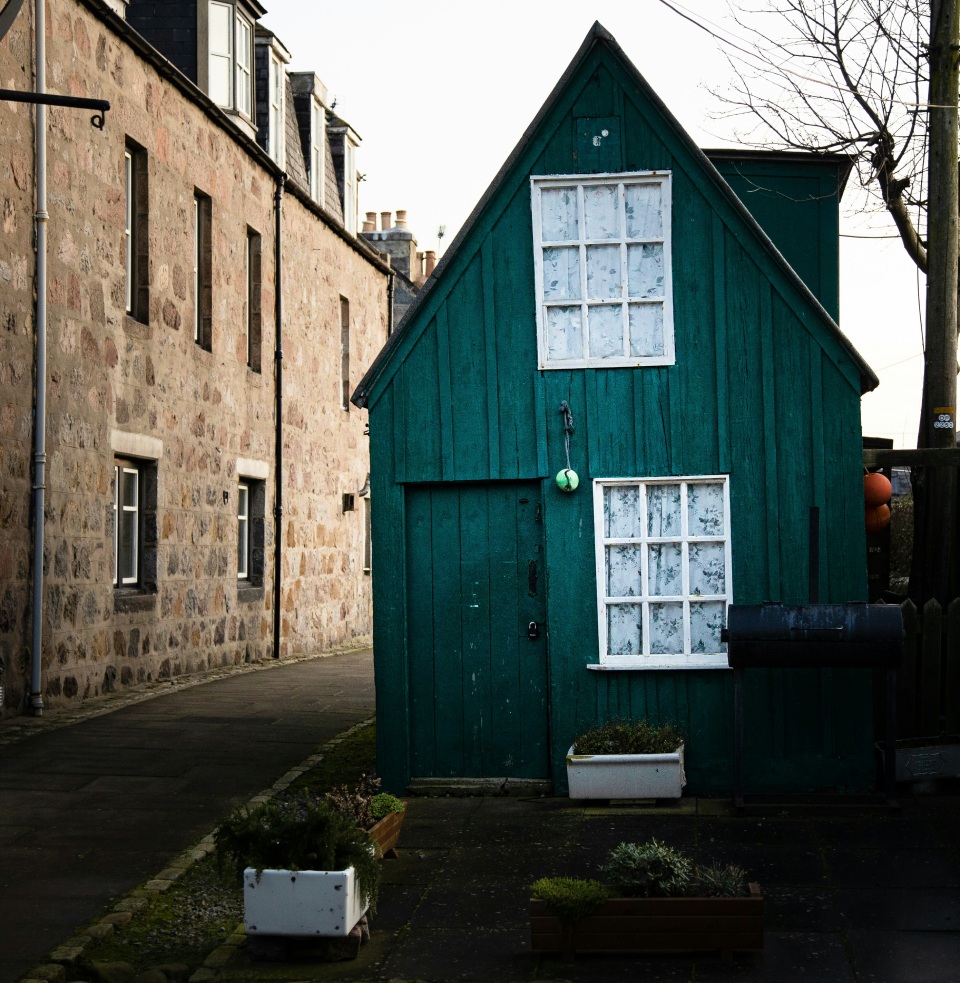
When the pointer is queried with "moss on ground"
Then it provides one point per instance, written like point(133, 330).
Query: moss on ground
point(204, 907)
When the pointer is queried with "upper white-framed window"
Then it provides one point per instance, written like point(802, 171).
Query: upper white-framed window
point(128, 231)
point(277, 144)
point(318, 141)
point(230, 63)
point(664, 578)
point(603, 270)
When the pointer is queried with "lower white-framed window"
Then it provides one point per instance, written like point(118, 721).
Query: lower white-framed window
point(243, 531)
point(127, 523)
point(134, 524)
point(663, 571)
point(367, 527)
point(251, 528)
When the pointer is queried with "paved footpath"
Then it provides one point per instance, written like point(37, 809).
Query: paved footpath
point(90, 810)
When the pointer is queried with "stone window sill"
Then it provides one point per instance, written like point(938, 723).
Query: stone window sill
point(134, 600)
point(247, 593)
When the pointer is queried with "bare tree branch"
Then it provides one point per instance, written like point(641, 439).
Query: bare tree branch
point(841, 76)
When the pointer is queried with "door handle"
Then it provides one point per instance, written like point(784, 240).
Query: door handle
point(533, 631)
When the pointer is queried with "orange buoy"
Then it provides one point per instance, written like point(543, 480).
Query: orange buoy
point(876, 489)
point(877, 517)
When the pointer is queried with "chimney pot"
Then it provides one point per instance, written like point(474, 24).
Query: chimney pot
point(370, 220)
point(401, 218)
point(430, 258)
point(385, 218)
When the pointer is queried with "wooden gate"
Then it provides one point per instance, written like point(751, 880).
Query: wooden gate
point(476, 613)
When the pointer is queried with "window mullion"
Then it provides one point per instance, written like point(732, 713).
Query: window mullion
point(644, 573)
point(624, 293)
point(584, 307)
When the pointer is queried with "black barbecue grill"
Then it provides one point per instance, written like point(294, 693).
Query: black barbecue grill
point(814, 636)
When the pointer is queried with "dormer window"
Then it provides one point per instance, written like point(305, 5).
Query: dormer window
point(318, 142)
point(230, 45)
point(350, 212)
point(275, 136)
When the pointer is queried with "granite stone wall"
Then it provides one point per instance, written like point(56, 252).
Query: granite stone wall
point(144, 390)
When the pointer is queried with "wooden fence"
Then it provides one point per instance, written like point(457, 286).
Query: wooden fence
point(928, 683)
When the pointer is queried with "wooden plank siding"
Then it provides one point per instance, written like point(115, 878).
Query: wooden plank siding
point(760, 390)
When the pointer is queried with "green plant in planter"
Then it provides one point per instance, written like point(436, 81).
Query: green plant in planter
point(629, 737)
point(383, 804)
point(650, 869)
point(298, 833)
point(653, 869)
point(721, 881)
point(570, 898)
point(355, 802)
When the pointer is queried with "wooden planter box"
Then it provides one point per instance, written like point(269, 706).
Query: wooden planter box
point(654, 924)
point(625, 776)
point(386, 833)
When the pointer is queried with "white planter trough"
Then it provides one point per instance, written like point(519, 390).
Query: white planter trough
point(301, 902)
point(625, 776)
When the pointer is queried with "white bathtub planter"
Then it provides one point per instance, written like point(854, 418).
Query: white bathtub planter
point(625, 776)
point(626, 761)
point(307, 870)
point(301, 902)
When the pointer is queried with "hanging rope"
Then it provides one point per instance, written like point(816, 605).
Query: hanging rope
point(567, 429)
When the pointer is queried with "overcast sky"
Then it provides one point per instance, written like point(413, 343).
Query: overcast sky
point(440, 93)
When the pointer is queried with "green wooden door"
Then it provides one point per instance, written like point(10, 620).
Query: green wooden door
point(475, 583)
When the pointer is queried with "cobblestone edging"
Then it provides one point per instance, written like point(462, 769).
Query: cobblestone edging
point(64, 956)
point(19, 728)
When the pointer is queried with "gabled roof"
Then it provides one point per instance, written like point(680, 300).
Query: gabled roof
point(597, 36)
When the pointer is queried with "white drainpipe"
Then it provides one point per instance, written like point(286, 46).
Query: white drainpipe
point(40, 410)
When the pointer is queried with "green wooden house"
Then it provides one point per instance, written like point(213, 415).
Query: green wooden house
point(612, 268)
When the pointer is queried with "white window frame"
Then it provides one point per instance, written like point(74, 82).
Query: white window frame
point(350, 213)
point(128, 226)
point(646, 660)
point(579, 182)
point(345, 354)
point(243, 75)
point(318, 141)
point(243, 531)
point(277, 106)
point(223, 59)
point(197, 258)
point(121, 468)
point(248, 294)
point(238, 57)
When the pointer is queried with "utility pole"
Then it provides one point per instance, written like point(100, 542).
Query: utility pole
point(935, 487)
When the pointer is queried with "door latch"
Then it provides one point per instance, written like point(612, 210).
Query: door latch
point(533, 631)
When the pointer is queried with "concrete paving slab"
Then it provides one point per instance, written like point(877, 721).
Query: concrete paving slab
point(919, 910)
point(894, 867)
point(787, 957)
point(906, 957)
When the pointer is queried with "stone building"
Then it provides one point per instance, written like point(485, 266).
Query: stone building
point(195, 237)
